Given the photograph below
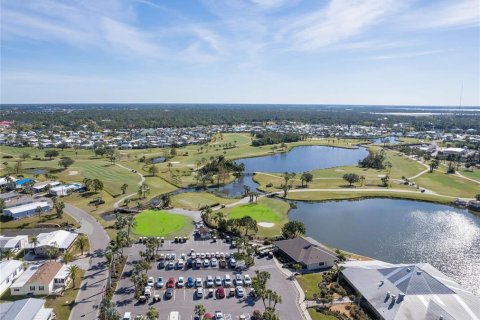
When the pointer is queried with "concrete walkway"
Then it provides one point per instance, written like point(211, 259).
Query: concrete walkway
point(92, 288)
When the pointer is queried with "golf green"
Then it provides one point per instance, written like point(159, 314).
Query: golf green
point(258, 212)
point(156, 223)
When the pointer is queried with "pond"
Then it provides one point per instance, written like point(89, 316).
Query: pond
point(299, 159)
point(388, 140)
point(400, 231)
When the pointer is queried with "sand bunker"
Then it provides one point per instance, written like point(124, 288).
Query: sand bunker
point(339, 170)
point(72, 173)
point(266, 224)
point(175, 162)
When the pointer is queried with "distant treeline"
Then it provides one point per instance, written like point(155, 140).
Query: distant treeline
point(270, 137)
point(74, 117)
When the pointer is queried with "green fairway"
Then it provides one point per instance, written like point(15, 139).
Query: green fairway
point(448, 184)
point(159, 223)
point(266, 211)
point(196, 200)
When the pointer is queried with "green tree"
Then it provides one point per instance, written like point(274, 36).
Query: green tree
point(97, 185)
point(153, 170)
point(73, 272)
point(351, 178)
point(306, 177)
point(34, 241)
point(143, 190)
point(67, 257)
point(59, 206)
point(39, 211)
point(293, 229)
point(8, 254)
point(124, 188)
point(199, 310)
point(385, 180)
point(434, 164)
point(65, 162)
point(51, 154)
point(81, 243)
point(152, 313)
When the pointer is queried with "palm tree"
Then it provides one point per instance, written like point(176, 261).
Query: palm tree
point(73, 271)
point(81, 243)
point(143, 190)
point(59, 206)
point(152, 314)
point(67, 257)
point(8, 254)
point(38, 210)
point(131, 223)
point(124, 188)
point(199, 310)
point(34, 241)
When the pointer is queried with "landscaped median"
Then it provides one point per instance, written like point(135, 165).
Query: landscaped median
point(160, 223)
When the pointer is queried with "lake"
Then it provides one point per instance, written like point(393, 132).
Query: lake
point(389, 139)
point(400, 231)
point(299, 159)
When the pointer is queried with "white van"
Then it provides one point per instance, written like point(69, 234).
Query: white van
point(174, 315)
point(127, 316)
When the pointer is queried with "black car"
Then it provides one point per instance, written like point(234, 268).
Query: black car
point(161, 264)
point(169, 293)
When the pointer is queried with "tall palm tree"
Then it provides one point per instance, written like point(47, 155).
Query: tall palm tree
point(8, 254)
point(67, 257)
point(124, 188)
point(81, 243)
point(39, 211)
point(73, 272)
point(152, 314)
point(34, 241)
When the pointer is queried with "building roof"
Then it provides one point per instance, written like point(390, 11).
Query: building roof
point(61, 238)
point(7, 268)
point(27, 207)
point(10, 242)
point(45, 273)
point(26, 309)
point(306, 250)
point(416, 291)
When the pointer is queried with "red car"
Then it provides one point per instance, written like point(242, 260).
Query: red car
point(171, 283)
point(221, 293)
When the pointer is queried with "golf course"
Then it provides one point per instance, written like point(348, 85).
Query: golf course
point(159, 223)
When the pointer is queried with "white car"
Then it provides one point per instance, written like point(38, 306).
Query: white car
point(217, 255)
point(180, 282)
point(198, 282)
point(202, 255)
point(218, 281)
point(167, 256)
point(227, 281)
point(207, 255)
point(240, 292)
point(209, 281)
point(199, 292)
point(170, 265)
point(173, 256)
point(233, 262)
point(148, 291)
point(247, 280)
point(150, 281)
point(214, 262)
point(183, 256)
point(180, 264)
point(238, 280)
point(219, 315)
point(206, 263)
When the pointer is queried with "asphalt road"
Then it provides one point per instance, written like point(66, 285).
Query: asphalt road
point(87, 304)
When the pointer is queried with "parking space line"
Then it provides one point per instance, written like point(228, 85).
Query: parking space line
point(174, 294)
point(184, 294)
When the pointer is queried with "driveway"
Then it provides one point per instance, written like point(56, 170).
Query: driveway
point(87, 304)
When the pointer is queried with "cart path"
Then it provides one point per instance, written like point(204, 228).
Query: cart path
point(142, 180)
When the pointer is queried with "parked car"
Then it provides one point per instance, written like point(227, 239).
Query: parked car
point(180, 264)
point(206, 263)
point(161, 264)
point(169, 293)
point(171, 282)
point(238, 280)
point(199, 292)
point(222, 263)
point(150, 281)
point(198, 263)
point(218, 315)
point(214, 262)
point(220, 293)
point(180, 282)
point(240, 292)
point(173, 256)
point(199, 282)
point(232, 262)
point(171, 265)
point(159, 283)
point(190, 282)
point(227, 281)
point(167, 256)
point(209, 281)
point(247, 280)
point(218, 281)
point(147, 292)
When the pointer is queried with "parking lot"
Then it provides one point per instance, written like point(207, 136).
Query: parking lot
point(184, 299)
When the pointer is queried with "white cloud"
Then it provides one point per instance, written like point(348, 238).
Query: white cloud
point(406, 55)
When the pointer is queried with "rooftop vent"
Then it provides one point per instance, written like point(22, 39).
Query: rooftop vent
point(381, 283)
point(419, 272)
point(408, 269)
point(388, 294)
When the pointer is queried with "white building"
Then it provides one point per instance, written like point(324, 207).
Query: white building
point(65, 189)
point(60, 239)
point(9, 271)
point(26, 210)
point(26, 309)
point(15, 243)
point(415, 291)
point(42, 279)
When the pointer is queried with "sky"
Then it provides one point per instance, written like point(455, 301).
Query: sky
point(387, 52)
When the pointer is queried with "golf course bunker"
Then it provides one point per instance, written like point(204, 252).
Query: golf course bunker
point(266, 224)
point(160, 223)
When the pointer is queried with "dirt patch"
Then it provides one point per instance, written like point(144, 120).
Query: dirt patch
point(266, 224)
point(72, 173)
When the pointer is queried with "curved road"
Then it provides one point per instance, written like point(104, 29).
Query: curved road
point(92, 288)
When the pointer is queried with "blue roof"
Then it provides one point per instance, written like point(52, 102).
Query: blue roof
point(23, 181)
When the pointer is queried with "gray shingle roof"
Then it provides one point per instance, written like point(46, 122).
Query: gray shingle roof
point(306, 250)
point(26, 309)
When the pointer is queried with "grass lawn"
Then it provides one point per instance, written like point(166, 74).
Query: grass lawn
point(475, 175)
point(196, 200)
point(309, 283)
point(448, 184)
point(320, 316)
point(266, 210)
point(35, 221)
point(159, 223)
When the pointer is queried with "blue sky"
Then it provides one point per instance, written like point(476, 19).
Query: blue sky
point(406, 52)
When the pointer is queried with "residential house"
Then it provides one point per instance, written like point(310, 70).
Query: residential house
point(26, 309)
point(306, 251)
point(26, 210)
point(15, 243)
point(42, 279)
point(9, 271)
point(60, 239)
